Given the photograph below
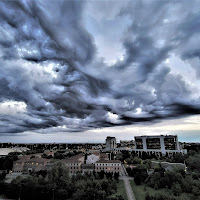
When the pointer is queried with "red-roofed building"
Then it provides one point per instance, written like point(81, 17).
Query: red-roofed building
point(73, 164)
point(27, 164)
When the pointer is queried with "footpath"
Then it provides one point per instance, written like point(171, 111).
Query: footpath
point(126, 179)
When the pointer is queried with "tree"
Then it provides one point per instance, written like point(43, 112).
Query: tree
point(116, 176)
point(128, 160)
point(116, 197)
point(119, 156)
point(176, 188)
point(193, 163)
point(178, 158)
point(154, 180)
point(101, 174)
point(137, 179)
point(59, 156)
point(158, 196)
point(137, 160)
point(58, 183)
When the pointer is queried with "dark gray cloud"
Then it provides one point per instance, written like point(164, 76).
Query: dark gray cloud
point(52, 76)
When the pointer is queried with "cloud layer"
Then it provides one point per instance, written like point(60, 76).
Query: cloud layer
point(73, 66)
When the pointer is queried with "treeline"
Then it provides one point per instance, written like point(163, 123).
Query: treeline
point(57, 184)
point(131, 158)
point(182, 184)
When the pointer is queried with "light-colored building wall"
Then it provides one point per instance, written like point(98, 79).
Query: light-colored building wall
point(110, 142)
point(74, 163)
point(108, 166)
point(26, 165)
point(73, 166)
point(164, 144)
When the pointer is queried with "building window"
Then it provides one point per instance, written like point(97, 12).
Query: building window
point(170, 143)
point(139, 143)
point(153, 143)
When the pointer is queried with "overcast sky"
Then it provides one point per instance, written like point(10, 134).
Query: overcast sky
point(77, 71)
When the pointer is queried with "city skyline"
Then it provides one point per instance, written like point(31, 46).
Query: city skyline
point(78, 71)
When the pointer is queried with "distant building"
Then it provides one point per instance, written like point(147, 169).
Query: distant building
point(5, 151)
point(110, 143)
point(159, 143)
point(104, 156)
point(97, 147)
point(129, 144)
point(26, 164)
point(108, 166)
point(73, 164)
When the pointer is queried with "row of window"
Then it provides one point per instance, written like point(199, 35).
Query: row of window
point(103, 168)
point(71, 164)
point(31, 163)
point(73, 167)
point(107, 164)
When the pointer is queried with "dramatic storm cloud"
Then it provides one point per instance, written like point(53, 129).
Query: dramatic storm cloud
point(72, 66)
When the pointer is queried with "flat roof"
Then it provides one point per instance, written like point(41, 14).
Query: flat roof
point(155, 136)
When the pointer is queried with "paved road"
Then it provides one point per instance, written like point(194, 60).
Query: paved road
point(126, 179)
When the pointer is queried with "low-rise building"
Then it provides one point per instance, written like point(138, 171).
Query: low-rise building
point(73, 164)
point(94, 162)
point(108, 166)
point(5, 151)
point(87, 168)
point(27, 164)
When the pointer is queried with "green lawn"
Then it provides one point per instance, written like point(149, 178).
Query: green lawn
point(138, 191)
point(141, 190)
point(121, 189)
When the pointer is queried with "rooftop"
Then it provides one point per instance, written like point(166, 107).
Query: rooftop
point(38, 159)
point(155, 136)
point(70, 161)
point(108, 161)
point(76, 157)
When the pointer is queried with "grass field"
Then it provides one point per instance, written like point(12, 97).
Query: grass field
point(121, 189)
point(141, 190)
